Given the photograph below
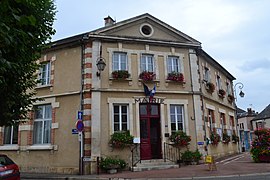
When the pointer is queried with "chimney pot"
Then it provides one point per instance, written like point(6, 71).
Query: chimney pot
point(108, 21)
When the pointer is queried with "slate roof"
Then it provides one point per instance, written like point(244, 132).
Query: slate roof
point(264, 114)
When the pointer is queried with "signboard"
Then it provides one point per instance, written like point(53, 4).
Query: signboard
point(74, 131)
point(200, 143)
point(80, 115)
point(79, 125)
point(87, 159)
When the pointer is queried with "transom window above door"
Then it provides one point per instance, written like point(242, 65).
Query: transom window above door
point(147, 63)
point(119, 61)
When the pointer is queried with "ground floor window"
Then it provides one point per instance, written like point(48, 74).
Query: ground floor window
point(177, 117)
point(120, 117)
point(42, 124)
point(11, 135)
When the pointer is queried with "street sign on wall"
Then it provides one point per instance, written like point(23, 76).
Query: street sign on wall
point(79, 125)
point(80, 115)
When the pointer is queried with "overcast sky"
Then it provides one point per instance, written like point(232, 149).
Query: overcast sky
point(234, 33)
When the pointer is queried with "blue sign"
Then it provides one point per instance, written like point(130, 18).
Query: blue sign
point(200, 143)
point(80, 125)
point(74, 131)
point(80, 115)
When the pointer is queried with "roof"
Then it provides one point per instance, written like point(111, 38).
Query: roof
point(265, 114)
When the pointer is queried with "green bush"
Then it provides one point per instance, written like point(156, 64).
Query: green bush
point(112, 163)
point(120, 139)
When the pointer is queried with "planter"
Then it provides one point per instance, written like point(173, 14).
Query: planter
point(112, 171)
point(264, 158)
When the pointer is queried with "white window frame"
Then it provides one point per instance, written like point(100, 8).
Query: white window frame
point(179, 102)
point(44, 78)
point(219, 83)
point(174, 64)
point(181, 113)
point(10, 135)
point(120, 116)
point(43, 120)
point(119, 60)
point(149, 60)
point(207, 74)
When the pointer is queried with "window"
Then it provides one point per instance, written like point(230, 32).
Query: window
point(222, 119)
point(177, 117)
point(232, 121)
point(11, 135)
point(229, 89)
point(206, 74)
point(146, 30)
point(119, 61)
point(211, 119)
point(173, 64)
point(147, 63)
point(44, 73)
point(42, 124)
point(120, 117)
point(219, 85)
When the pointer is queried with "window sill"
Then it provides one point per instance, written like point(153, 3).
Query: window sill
point(120, 79)
point(6, 147)
point(40, 147)
point(154, 80)
point(44, 86)
point(180, 82)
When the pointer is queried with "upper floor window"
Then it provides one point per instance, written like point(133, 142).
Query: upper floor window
point(229, 88)
point(45, 73)
point(11, 135)
point(222, 119)
point(219, 85)
point(206, 74)
point(42, 124)
point(147, 63)
point(120, 117)
point(232, 121)
point(119, 61)
point(173, 64)
point(177, 117)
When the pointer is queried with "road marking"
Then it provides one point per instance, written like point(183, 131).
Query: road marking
point(233, 160)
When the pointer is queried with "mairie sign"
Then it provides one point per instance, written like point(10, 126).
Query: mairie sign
point(149, 100)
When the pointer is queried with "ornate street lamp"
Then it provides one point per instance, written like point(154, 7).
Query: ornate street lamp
point(240, 86)
point(100, 65)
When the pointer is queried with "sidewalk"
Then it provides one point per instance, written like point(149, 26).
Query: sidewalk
point(233, 166)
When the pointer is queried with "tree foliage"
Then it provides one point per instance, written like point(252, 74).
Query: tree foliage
point(25, 29)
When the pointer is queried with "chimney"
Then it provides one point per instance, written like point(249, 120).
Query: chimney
point(249, 111)
point(108, 21)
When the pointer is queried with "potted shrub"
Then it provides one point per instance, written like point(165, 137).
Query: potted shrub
point(235, 138)
point(221, 93)
point(176, 76)
point(180, 138)
point(120, 74)
point(260, 150)
point(197, 156)
point(215, 138)
point(187, 157)
point(210, 87)
point(112, 164)
point(226, 138)
point(147, 76)
point(121, 139)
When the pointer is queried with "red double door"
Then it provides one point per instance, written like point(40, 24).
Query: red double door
point(150, 132)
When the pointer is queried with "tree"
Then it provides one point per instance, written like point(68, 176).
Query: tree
point(25, 29)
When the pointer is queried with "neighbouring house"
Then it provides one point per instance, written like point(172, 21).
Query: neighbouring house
point(245, 127)
point(262, 120)
point(157, 80)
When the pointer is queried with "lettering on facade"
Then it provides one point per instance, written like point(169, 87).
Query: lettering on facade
point(149, 100)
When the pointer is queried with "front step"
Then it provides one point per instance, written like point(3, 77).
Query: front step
point(154, 164)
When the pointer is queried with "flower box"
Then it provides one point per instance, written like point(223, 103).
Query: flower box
point(180, 139)
point(230, 98)
point(221, 93)
point(215, 138)
point(226, 138)
point(176, 76)
point(264, 158)
point(210, 87)
point(147, 76)
point(120, 74)
point(121, 139)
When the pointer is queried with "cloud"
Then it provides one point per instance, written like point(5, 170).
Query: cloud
point(255, 65)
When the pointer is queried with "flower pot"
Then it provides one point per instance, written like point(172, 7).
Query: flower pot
point(112, 171)
point(264, 158)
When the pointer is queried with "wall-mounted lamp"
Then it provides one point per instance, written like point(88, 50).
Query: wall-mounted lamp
point(100, 65)
point(240, 86)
